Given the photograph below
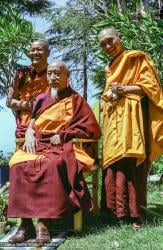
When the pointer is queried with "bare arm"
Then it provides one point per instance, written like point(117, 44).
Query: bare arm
point(117, 88)
point(13, 101)
point(30, 139)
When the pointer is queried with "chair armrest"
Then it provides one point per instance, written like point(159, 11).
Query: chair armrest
point(20, 140)
point(84, 140)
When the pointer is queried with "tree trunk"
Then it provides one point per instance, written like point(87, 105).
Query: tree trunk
point(123, 4)
point(145, 3)
point(119, 6)
point(140, 7)
point(85, 74)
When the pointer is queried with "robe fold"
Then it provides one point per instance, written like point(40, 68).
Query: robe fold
point(123, 118)
point(133, 133)
point(30, 85)
point(50, 183)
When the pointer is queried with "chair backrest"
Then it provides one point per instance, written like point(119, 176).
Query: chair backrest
point(19, 142)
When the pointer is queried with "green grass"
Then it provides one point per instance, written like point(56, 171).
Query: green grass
point(98, 234)
point(149, 238)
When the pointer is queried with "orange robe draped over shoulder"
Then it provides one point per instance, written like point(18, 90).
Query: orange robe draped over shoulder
point(123, 118)
point(30, 87)
point(53, 186)
point(51, 121)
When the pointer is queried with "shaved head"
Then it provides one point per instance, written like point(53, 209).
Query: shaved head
point(110, 42)
point(38, 53)
point(57, 75)
point(110, 31)
point(61, 64)
point(42, 43)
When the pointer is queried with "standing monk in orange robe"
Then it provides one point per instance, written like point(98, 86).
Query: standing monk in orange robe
point(28, 83)
point(133, 126)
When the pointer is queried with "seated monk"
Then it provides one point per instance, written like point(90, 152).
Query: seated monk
point(46, 176)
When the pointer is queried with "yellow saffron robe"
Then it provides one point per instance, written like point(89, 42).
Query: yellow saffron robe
point(51, 120)
point(30, 90)
point(123, 119)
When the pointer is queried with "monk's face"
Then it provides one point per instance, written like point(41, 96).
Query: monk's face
point(57, 76)
point(38, 53)
point(110, 43)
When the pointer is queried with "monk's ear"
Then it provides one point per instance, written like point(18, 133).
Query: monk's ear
point(68, 73)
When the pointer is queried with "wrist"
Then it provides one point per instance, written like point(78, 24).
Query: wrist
point(30, 131)
point(125, 89)
point(23, 104)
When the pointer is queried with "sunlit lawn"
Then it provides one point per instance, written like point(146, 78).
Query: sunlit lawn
point(97, 234)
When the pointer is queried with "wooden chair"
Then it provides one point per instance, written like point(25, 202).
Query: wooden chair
point(19, 142)
point(92, 147)
point(92, 175)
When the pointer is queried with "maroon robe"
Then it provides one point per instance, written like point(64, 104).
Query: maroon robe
point(54, 186)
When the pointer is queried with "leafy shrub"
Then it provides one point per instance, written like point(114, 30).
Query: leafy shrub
point(4, 159)
point(157, 166)
point(3, 206)
point(143, 33)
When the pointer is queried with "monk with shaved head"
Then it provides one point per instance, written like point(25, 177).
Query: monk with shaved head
point(133, 127)
point(28, 83)
point(46, 176)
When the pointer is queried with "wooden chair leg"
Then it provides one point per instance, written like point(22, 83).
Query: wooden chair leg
point(95, 191)
point(78, 221)
point(18, 221)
